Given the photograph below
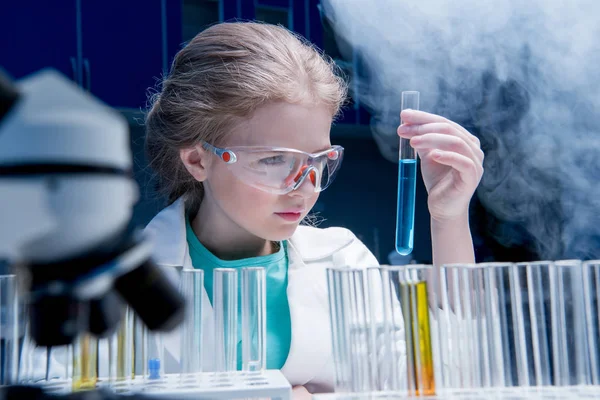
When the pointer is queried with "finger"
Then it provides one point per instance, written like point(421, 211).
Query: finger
point(408, 131)
point(443, 142)
point(448, 128)
point(464, 165)
point(417, 117)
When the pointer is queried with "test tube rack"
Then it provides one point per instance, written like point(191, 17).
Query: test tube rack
point(210, 385)
point(207, 385)
point(514, 393)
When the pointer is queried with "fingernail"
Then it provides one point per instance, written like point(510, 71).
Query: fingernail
point(403, 128)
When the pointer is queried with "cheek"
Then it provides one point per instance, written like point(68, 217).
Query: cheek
point(237, 198)
point(311, 201)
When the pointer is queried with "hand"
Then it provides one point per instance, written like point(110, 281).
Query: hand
point(451, 161)
point(300, 393)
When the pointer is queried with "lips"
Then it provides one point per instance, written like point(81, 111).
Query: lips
point(291, 214)
point(292, 211)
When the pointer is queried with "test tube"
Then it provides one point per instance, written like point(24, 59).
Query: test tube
point(140, 350)
point(569, 344)
point(9, 330)
point(85, 363)
point(495, 290)
point(591, 292)
point(254, 321)
point(351, 330)
point(413, 293)
point(192, 289)
point(529, 358)
point(225, 306)
point(407, 177)
point(490, 292)
point(153, 358)
point(458, 318)
point(340, 346)
point(389, 338)
point(121, 353)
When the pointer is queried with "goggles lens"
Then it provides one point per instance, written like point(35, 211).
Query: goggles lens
point(278, 170)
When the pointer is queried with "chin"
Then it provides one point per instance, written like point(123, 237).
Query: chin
point(282, 233)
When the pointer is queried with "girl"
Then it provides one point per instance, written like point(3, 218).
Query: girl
point(239, 139)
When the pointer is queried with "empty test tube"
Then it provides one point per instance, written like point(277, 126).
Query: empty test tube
point(528, 361)
point(388, 334)
point(458, 318)
point(225, 306)
point(569, 344)
point(407, 176)
point(351, 331)
point(192, 287)
point(341, 351)
point(9, 329)
point(591, 292)
point(254, 322)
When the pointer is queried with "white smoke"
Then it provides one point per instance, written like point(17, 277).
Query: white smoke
point(524, 76)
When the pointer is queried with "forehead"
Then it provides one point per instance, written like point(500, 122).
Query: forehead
point(296, 126)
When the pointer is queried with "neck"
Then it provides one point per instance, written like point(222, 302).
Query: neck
point(224, 238)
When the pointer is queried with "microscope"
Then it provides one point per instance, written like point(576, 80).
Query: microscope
point(66, 200)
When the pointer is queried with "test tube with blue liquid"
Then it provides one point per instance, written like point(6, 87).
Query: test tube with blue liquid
point(153, 359)
point(407, 177)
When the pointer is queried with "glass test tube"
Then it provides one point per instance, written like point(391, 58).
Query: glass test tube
point(494, 289)
point(192, 287)
point(153, 358)
point(225, 306)
point(477, 290)
point(528, 361)
point(254, 319)
point(9, 329)
point(140, 350)
point(341, 352)
point(489, 289)
point(387, 330)
point(121, 352)
point(407, 176)
point(591, 293)
point(351, 331)
point(85, 363)
point(569, 345)
point(457, 316)
point(413, 293)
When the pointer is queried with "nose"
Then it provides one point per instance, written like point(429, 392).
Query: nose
point(306, 187)
point(312, 174)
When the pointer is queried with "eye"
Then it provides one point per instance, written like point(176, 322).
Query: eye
point(274, 160)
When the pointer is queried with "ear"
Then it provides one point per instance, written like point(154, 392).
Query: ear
point(196, 160)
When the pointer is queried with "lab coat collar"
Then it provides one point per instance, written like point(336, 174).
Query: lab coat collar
point(168, 233)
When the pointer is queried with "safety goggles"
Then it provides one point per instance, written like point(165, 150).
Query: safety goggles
point(279, 170)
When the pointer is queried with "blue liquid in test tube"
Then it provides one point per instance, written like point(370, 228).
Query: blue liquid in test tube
point(407, 177)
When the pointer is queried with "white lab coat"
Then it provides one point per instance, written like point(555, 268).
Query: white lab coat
point(310, 251)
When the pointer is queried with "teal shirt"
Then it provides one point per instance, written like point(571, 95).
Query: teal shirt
point(279, 330)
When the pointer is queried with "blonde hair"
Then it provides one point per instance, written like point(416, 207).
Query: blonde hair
point(220, 78)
